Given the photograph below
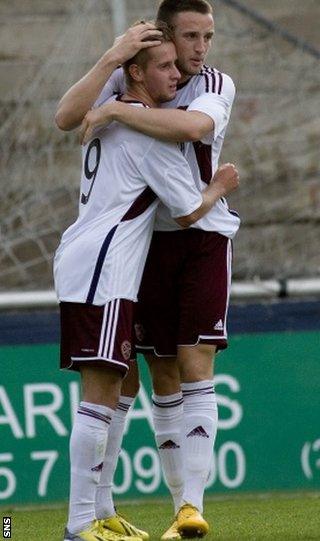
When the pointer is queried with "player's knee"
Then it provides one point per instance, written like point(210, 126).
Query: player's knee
point(166, 383)
point(165, 375)
point(205, 352)
point(130, 387)
point(196, 363)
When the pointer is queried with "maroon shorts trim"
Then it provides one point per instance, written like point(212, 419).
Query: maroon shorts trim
point(97, 335)
point(184, 294)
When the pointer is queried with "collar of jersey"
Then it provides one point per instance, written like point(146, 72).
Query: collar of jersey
point(119, 98)
point(182, 85)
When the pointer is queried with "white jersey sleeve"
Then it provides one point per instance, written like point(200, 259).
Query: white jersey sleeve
point(217, 105)
point(114, 85)
point(168, 174)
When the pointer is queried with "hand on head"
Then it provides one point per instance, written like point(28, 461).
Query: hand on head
point(137, 37)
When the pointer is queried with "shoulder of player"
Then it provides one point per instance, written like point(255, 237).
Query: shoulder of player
point(215, 81)
point(118, 72)
point(135, 142)
point(163, 153)
point(116, 79)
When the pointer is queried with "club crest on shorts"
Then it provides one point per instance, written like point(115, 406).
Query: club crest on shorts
point(126, 350)
point(140, 332)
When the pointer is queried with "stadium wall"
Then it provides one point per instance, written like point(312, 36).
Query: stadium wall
point(273, 137)
point(267, 389)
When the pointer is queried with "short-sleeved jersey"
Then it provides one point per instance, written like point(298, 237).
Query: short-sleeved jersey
point(124, 173)
point(210, 92)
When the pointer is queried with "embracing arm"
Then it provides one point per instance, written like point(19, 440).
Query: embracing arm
point(74, 105)
point(166, 124)
point(169, 175)
point(207, 114)
point(81, 96)
point(225, 181)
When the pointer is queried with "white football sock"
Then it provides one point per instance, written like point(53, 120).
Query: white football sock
point(201, 421)
point(168, 418)
point(87, 451)
point(104, 501)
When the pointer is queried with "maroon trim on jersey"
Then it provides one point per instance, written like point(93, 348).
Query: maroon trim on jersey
point(220, 83)
point(120, 96)
point(210, 79)
point(140, 205)
point(203, 155)
point(213, 80)
point(207, 71)
point(182, 85)
point(206, 76)
point(99, 264)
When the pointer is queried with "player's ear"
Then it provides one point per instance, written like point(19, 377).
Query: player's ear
point(136, 73)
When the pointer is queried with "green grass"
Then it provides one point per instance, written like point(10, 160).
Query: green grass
point(241, 518)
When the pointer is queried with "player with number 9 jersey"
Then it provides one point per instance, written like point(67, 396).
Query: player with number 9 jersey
point(124, 173)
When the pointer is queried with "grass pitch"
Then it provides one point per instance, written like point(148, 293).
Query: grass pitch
point(242, 518)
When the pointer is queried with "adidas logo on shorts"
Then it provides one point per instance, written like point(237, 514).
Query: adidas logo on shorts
point(219, 326)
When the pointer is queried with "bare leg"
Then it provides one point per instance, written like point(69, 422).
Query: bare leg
point(165, 374)
point(101, 385)
point(196, 363)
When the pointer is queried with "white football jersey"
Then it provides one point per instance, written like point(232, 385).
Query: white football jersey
point(212, 93)
point(102, 255)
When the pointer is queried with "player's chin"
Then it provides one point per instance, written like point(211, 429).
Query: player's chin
point(169, 96)
point(194, 68)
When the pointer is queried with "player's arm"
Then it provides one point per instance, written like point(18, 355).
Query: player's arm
point(167, 124)
point(167, 172)
point(225, 181)
point(74, 105)
point(204, 120)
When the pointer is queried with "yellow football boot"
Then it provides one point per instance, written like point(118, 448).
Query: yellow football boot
point(190, 522)
point(120, 525)
point(172, 533)
point(97, 532)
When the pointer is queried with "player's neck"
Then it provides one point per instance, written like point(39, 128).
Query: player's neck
point(141, 95)
point(185, 77)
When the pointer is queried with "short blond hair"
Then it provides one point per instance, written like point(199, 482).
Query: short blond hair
point(142, 57)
